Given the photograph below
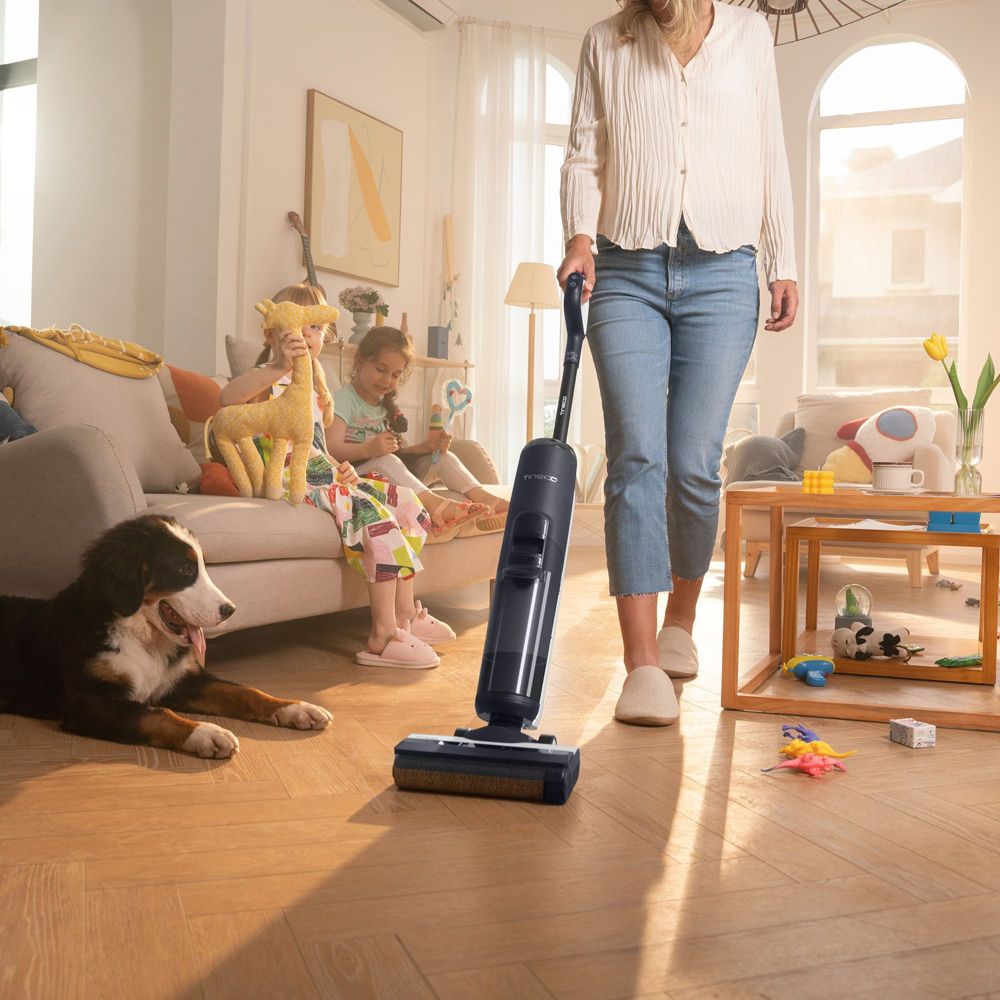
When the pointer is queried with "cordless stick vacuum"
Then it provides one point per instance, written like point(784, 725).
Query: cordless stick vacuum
point(499, 759)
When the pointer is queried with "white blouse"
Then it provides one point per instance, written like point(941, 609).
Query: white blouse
point(651, 141)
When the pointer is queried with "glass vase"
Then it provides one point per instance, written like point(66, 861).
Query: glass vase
point(362, 324)
point(969, 452)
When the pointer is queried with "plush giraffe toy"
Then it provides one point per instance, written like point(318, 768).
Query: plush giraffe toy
point(287, 418)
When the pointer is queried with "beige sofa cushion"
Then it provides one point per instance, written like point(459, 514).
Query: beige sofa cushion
point(235, 529)
point(53, 390)
point(821, 415)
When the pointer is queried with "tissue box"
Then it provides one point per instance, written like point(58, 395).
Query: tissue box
point(437, 342)
point(911, 733)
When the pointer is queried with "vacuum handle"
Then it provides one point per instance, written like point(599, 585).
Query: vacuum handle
point(575, 333)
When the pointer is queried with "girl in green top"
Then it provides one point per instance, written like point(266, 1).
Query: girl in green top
point(367, 428)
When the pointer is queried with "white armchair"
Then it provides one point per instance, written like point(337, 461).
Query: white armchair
point(821, 415)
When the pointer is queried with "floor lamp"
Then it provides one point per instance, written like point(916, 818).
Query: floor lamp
point(533, 286)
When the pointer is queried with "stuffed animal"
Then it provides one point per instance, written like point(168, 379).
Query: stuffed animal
point(287, 418)
point(862, 642)
point(12, 425)
point(892, 435)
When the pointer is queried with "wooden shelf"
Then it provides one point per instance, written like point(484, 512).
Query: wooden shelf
point(342, 348)
point(920, 667)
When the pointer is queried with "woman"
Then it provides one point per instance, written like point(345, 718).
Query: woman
point(676, 169)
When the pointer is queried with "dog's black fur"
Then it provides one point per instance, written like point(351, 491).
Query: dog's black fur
point(111, 657)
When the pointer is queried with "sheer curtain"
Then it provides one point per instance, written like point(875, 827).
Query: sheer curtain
point(497, 206)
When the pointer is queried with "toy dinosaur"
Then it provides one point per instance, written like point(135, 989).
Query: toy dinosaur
point(799, 747)
point(798, 732)
point(809, 763)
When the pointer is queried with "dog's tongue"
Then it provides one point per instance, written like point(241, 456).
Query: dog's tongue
point(197, 637)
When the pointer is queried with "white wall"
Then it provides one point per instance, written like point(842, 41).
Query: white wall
point(171, 145)
point(100, 191)
point(364, 55)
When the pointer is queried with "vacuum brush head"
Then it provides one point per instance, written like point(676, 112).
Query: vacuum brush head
point(532, 771)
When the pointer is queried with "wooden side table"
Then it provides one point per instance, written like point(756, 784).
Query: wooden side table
point(814, 640)
point(744, 689)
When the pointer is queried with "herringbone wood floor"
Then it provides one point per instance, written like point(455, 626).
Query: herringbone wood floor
point(676, 870)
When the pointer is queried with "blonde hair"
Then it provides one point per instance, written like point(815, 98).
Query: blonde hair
point(680, 28)
point(305, 294)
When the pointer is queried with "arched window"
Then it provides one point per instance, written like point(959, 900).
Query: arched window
point(558, 105)
point(888, 137)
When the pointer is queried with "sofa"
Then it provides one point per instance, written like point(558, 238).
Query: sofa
point(103, 448)
point(820, 415)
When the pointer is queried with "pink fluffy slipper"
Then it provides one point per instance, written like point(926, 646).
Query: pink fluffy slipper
point(423, 625)
point(402, 650)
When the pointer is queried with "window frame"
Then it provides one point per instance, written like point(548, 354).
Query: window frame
point(940, 395)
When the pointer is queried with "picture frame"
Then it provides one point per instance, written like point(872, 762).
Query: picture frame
point(353, 204)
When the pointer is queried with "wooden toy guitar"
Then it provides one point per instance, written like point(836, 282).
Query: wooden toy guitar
point(296, 220)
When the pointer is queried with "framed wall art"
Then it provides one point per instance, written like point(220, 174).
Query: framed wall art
point(354, 174)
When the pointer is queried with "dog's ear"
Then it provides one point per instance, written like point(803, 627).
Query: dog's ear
point(116, 568)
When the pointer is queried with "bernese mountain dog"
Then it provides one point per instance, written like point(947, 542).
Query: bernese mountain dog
point(121, 650)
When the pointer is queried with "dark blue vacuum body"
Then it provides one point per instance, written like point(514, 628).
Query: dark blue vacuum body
point(500, 759)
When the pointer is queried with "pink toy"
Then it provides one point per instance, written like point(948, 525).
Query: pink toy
point(810, 763)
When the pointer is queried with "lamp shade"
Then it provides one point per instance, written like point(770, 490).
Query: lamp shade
point(534, 286)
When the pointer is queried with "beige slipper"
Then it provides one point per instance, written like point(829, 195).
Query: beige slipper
point(647, 699)
point(678, 653)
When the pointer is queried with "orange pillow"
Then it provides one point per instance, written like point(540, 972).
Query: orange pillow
point(199, 394)
point(217, 481)
point(191, 399)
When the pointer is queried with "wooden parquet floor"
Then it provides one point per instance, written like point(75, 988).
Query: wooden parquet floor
point(677, 870)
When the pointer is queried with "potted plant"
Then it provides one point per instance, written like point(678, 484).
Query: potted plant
point(364, 303)
point(969, 446)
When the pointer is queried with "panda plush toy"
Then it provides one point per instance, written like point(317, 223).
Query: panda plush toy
point(862, 642)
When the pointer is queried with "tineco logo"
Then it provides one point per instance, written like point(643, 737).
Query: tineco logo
point(538, 475)
point(562, 406)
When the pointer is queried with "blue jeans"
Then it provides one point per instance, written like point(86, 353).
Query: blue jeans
point(670, 331)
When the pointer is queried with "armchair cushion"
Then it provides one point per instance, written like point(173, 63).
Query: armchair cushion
point(53, 390)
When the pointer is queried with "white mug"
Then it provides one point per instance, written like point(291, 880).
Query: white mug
point(895, 477)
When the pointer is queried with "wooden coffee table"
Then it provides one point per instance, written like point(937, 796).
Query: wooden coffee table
point(764, 688)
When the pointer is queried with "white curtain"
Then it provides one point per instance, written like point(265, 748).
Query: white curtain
point(497, 207)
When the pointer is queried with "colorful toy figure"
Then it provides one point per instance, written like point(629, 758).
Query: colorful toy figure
point(799, 747)
point(799, 732)
point(810, 668)
point(809, 763)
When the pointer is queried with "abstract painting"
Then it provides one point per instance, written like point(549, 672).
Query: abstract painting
point(354, 173)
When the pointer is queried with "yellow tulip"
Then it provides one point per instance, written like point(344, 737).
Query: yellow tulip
point(936, 347)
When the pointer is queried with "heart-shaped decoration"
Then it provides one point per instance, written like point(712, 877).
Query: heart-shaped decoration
point(457, 396)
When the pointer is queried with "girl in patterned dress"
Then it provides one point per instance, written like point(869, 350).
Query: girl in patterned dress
point(383, 526)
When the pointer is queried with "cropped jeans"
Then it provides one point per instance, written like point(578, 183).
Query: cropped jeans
point(670, 331)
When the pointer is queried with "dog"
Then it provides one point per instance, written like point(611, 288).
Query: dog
point(119, 652)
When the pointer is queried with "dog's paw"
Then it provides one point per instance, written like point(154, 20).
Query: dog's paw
point(209, 740)
point(302, 715)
